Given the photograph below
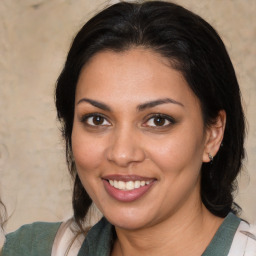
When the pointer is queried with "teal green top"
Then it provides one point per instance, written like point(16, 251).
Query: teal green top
point(37, 239)
point(31, 240)
point(222, 240)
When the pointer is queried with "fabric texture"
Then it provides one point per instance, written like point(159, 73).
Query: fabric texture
point(31, 240)
point(68, 240)
point(37, 239)
point(100, 239)
point(244, 242)
point(222, 240)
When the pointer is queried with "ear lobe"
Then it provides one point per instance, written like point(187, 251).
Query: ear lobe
point(214, 136)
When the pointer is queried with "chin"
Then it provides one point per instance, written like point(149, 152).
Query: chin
point(129, 221)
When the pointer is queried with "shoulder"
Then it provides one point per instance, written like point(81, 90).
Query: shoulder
point(99, 239)
point(96, 240)
point(32, 239)
point(68, 239)
point(244, 242)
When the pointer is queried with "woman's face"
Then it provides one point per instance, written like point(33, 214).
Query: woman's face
point(138, 138)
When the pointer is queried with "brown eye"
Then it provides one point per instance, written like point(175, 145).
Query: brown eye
point(97, 120)
point(159, 121)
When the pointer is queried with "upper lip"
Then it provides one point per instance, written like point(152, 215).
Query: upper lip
point(126, 178)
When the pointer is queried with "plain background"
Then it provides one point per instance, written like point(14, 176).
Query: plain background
point(34, 39)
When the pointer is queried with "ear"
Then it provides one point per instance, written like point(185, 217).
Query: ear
point(214, 136)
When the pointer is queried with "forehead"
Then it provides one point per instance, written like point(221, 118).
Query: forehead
point(136, 74)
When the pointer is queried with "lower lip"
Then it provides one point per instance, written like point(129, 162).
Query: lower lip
point(126, 195)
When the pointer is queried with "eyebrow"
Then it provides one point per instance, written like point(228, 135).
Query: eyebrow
point(96, 104)
point(141, 107)
point(151, 104)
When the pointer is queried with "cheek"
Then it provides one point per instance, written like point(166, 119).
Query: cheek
point(182, 151)
point(87, 151)
point(88, 155)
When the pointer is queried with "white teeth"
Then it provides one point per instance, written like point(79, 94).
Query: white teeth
point(137, 184)
point(129, 185)
point(121, 184)
point(116, 184)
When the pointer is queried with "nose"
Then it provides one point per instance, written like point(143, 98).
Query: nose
point(125, 148)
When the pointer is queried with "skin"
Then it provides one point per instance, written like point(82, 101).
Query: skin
point(169, 219)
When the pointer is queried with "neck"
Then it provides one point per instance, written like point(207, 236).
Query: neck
point(188, 232)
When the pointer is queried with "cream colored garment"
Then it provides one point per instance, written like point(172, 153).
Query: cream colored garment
point(66, 242)
point(244, 242)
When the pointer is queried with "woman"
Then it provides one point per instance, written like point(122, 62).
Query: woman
point(154, 131)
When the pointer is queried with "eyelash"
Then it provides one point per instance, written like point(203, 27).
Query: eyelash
point(85, 119)
point(160, 116)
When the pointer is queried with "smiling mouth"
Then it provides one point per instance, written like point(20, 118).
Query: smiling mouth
point(129, 185)
point(127, 188)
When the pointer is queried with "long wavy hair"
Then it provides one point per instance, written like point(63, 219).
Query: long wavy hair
point(192, 47)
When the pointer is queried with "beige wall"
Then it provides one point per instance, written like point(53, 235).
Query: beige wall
point(35, 36)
